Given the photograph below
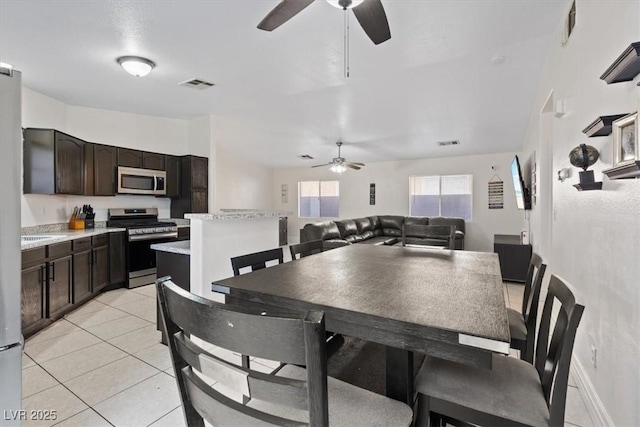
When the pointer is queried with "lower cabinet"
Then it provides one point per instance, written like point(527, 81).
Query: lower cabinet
point(59, 277)
point(100, 268)
point(117, 257)
point(82, 275)
point(59, 285)
point(33, 297)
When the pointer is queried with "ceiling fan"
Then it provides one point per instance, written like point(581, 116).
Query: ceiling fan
point(369, 13)
point(339, 164)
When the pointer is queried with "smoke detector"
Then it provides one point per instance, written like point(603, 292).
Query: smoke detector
point(198, 84)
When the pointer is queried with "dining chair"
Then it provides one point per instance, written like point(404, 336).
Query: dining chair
point(224, 394)
point(522, 324)
point(257, 260)
point(512, 392)
point(305, 249)
point(429, 235)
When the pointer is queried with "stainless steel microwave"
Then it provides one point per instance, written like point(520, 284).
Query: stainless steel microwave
point(141, 181)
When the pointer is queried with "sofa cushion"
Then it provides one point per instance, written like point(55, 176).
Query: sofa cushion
point(368, 235)
point(381, 240)
point(334, 243)
point(363, 224)
point(391, 225)
point(375, 222)
point(416, 220)
point(443, 220)
point(354, 238)
point(347, 227)
point(321, 231)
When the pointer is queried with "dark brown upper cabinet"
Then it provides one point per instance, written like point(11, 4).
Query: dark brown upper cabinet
point(172, 167)
point(194, 179)
point(153, 161)
point(129, 158)
point(53, 162)
point(100, 170)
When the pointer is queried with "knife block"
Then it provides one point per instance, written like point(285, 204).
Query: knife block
point(75, 223)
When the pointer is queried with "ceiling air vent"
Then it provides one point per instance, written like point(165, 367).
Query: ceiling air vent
point(305, 157)
point(198, 84)
point(452, 142)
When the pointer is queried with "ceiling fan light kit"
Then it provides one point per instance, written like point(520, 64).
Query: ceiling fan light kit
point(339, 165)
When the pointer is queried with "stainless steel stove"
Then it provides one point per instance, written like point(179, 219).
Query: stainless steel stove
point(143, 230)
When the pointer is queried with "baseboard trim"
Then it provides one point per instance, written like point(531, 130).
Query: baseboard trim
point(595, 407)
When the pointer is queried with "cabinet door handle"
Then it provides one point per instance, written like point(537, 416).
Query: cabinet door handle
point(53, 271)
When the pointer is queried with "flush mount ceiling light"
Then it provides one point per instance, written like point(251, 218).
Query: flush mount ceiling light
point(136, 65)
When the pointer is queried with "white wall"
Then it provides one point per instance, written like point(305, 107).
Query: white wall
point(129, 130)
point(392, 192)
point(241, 184)
point(594, 234)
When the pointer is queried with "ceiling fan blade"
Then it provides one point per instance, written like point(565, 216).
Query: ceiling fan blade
point(373, 20)
point(352, 166)
point(280, 14)
point(319, 166)
point(357, 163)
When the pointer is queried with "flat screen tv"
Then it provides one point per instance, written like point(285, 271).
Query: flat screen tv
point(523, 201)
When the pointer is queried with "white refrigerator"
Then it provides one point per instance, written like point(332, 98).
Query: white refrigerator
point(10, 258)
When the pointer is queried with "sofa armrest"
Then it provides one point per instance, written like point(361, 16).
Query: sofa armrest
point(334, 243)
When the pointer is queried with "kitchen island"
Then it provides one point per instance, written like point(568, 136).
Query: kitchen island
point(219, 236)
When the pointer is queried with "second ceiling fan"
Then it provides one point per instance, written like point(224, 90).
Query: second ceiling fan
point(339, 164)
point(369, 13)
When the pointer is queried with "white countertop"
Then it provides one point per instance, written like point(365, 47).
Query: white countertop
point(227, 214)
point(182, 247)
point(66, 235)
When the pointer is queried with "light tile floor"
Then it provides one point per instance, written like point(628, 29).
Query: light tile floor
point(102, 365)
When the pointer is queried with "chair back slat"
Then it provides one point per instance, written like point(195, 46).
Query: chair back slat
point(295, 339)
point(257, 385)
point(305, 249)
point(553, 357)
point(532, 287)
point(220, 410)
point(244, 333)
point(257, 260)
point(444, 233)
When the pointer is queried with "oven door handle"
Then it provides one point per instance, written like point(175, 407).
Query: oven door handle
point(138, 237)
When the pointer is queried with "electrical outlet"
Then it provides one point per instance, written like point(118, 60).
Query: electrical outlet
point(593, 355)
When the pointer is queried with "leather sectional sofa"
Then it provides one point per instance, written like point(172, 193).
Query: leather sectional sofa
point(376, 230)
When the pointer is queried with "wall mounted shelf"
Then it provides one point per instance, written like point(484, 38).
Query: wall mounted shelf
point(625, 67)
point(631, 170)
point(584, 186)
point(601, 126)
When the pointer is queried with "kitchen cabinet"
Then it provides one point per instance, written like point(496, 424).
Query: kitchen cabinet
point(53, 162)
point(82, 289)
point(129, 158)
point(172, 168)
point(117, 259)
point(100, 170)
point(194, 193)
point(154, 161)
point(99, 262)
point(59, 278)
point(33, 279)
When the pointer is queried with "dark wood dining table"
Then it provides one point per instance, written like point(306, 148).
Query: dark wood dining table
point(444, 303)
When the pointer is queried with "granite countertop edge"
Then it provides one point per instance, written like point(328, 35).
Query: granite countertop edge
point(182, 247)
point(239, 214)
point(67, 235)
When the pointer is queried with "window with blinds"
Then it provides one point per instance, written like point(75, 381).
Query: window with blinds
point(447, 195)
point(318, 199)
